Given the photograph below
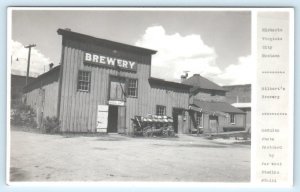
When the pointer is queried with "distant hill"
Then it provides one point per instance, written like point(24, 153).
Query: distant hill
point(238, 93)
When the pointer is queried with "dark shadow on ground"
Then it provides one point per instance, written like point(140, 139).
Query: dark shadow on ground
point(193, 145)
point(17, 174)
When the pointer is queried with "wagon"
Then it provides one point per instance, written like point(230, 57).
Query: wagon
point(153, 125)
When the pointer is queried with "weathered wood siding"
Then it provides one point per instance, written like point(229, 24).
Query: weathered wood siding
point(223, 122)
point(248, 116)
point(239, 121)
point(49, 106)
point(78, 110)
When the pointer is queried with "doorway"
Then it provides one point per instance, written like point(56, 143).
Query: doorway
point(213, 123)
point(116, 119)
point(178, 120)
point(112, 126)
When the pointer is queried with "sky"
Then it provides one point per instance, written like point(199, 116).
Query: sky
point(214, 44)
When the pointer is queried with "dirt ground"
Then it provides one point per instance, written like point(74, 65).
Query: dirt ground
point(41, 157)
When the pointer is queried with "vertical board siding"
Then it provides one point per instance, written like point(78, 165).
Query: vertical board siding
point(78, 110)
point(224, 122)
point(51, 98)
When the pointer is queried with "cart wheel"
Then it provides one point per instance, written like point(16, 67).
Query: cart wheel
point(165, 133)
point(172, 133)
point(145, 132)
point(150, 133)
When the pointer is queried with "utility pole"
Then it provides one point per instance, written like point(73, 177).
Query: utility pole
point(28, 60)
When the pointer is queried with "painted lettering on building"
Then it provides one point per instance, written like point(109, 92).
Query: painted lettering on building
point(110, 61)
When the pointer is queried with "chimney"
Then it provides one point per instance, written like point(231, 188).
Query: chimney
point(184, 76)
point(50, 66)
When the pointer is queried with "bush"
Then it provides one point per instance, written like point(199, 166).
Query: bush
point(23, 115)
point(51, 125)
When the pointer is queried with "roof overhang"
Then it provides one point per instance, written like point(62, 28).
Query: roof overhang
point(165, 83)
point(213, 113)
point(94, 40)
point(213, 107)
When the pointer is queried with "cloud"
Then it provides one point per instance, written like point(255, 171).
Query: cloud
point(38, 62)
point(177, 53)
point(240, 73)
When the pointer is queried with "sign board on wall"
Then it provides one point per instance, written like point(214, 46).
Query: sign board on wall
point(116, 102)
point(107, 61)
point(102, 118)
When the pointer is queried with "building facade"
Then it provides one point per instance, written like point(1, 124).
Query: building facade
point(209, 110)
point(100, 79)
point(101, 85)
point(239, 96)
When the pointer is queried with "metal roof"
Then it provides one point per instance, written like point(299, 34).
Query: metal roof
point(212, 106)
point(198, 81)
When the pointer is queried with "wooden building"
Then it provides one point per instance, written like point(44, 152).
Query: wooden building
point(101, 85)
point(208, 109)
point(42, 94)
point(240, 97)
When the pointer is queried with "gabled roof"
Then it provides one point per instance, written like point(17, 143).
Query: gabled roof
point(104, 42)
point(43, 79)
point(198, 81)
point(212, 106)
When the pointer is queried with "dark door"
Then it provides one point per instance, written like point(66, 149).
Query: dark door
point(178, 120)
point(112, 126)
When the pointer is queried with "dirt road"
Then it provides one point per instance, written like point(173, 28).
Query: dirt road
point(40, 157)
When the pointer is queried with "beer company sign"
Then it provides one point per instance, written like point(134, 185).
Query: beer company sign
point(109, 61)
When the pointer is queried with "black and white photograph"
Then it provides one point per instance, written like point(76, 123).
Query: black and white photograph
point(130, 95)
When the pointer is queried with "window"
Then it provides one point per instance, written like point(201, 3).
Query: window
point(199, 119)
point(160, 110)
point(132, 87)
point(84, 81)
point(232, 118)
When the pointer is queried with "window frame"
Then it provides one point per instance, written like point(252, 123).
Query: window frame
point(232, 116)
point(128, 87)
point(157, 110)
point(84, 81)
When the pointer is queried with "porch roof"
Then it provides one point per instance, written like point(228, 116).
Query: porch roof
point(212, 106)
